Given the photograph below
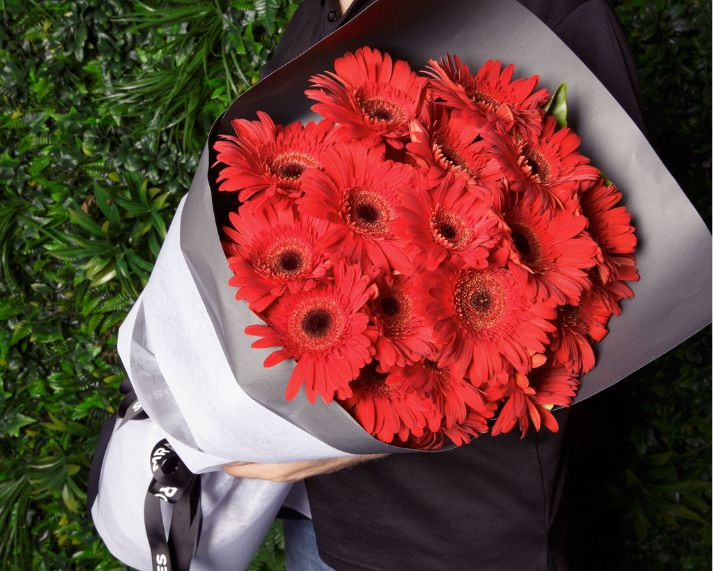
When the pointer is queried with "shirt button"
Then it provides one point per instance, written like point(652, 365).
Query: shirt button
point(332, 16)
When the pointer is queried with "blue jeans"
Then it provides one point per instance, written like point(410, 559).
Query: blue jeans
point(301, 547)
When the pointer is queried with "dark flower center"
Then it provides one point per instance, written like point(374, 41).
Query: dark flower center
point(389, 305)
point(367, 212)
point(289, 166)
point(382, 112)
point(372, 382)
point(450, 155)
point(535, 165)
point(448, 158)
point(570, 316)
point(434, 368)
point(481, 99)
point(479, 300)
point(521, 243)
point(286, 258)
point(450, 230)
point(317, 322)
point(393, 308)
point(527, 244)
point(292, 170)
point(290, 261)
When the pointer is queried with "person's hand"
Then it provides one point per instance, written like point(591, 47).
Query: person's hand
point(294, 471)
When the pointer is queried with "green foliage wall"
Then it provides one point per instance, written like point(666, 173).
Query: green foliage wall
point(104, 105)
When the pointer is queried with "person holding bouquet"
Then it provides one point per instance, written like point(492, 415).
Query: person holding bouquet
point(476, 503)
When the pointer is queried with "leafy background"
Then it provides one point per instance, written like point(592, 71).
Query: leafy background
point(104, 105)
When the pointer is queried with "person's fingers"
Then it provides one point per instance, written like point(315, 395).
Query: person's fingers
point(260, 471)
point(293, 471)
point(239, 463)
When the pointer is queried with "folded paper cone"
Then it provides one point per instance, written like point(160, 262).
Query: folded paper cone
point(183, 343)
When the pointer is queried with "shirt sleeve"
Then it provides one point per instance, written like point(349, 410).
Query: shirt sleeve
point(593, 32)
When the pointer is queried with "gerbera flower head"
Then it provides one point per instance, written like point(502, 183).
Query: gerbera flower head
point(449, 142)
point(485, 319)
point(528, 399)
point(262, 156)
point(551, 253)
point(452, 396)
point(554, 385)
point(404, 333)
point(611, 228)
point(325, 330)
point(441, 218)
point(474, 424)
point(383, 408)
point(370, 96)
point(359, 193)
point(547, 166)
point(577, 327)
point(273, 252)
point(490, 96)
point(615, 291)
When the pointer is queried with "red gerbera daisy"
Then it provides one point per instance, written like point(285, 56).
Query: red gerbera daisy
point(452, 396)
point(485, 319)
point(610, 294)
point(369, 96)
point(528, 399)
point(550, 254)
point(383, 408)
point(614, 291)
point(264, 156)
point(404, 335)
point(446, 219)
point(553, 385)
point(611, 228)
point(474, 424)
point(579, 325)
point(429, 440)
point(359, 193)
point(547, 166)
point(325, 331)
point(450, 143)
point(274, 252)
point(490, 96)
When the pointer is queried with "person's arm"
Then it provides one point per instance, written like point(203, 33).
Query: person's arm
point(294, 471)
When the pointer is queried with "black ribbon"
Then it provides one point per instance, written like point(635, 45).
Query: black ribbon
point(175, 484)
point(172, 482)
point(130, 407)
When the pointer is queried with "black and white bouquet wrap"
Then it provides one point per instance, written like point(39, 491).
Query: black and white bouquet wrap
point(199, 392)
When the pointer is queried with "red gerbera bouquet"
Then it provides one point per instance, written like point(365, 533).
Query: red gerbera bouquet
point(435, 254)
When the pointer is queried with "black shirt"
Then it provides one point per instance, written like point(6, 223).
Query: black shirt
point(496, 504)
